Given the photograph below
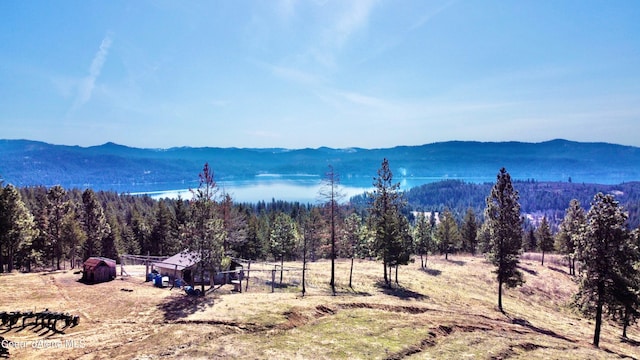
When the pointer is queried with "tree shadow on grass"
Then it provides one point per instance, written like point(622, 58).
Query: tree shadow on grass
point(630, 342)
point(525, 323)
point(400, 292)
point(619, 355)
point(432, 272)
point(557, 269)
point(456, 262)
point(528, 271)
point(179, 306)
point(278, 285)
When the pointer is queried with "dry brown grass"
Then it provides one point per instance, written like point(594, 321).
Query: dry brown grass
point(448, 312)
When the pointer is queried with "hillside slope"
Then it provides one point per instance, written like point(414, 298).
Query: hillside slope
point(447, 312)
point(120, 168)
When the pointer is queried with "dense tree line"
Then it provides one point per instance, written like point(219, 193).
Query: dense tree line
point(546, 198)
point(48, 227)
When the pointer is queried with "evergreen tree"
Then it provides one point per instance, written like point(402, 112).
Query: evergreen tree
point(423, 239)
point(504, 226)
point(385, 212)
point(484, 236)
point(95, 224)
point(42, 245)
point(447, 233)
point(352, 241)
point(405, 249)
point(110, 247)
point(141, 233)
point(626, 309)
point(58, 207)
point(529, 240)
point(604, 251)
point(163, 238)
point(235, 226)
point(72, 235)
point(571, 230)
point(330, 193)
point(17, 227)
point(469, 232)
point(544, 237)
point(253, 246)
point(129, 243)
point(181, 212)
point(284, 235)
point(204, 233)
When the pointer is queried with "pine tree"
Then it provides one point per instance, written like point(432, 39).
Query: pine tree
point(604, 251)
point(72, 234)
point(110, 247)
point(204, 233)
point(235, 226)
point(17, 226)
point(544, 237)
point(469, 232)
point(129, 242)
point(95, 224)
point(504, 225)
point(423, 239)
point(42, 245)
point(163, 235)
point(284, 235)
point(58, 207)
point(330, 193)
point(385, 211)
point(252, 249)
point(352, 241)
point(571, 230)
point(447, 233)
point(403, 253)
point(626, 309)
point(141, 233)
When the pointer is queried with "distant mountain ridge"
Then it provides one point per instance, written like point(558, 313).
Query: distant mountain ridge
point(125, 169)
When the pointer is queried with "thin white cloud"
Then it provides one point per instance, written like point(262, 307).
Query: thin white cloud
point(430, 15)
point(87, 84)
point(365, 100)
point(341, 23)
point(353, 19)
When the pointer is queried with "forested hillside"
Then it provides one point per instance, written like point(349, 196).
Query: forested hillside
point(52, 228)
point(142, 225)
point(548, 199)
point(125, 169)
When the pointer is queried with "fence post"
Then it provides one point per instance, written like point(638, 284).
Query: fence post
point(248, 272)
point(273, 280)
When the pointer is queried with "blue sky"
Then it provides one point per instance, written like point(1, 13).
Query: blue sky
point(298, 74)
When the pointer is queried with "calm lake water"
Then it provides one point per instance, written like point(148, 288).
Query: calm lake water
point(287, 188)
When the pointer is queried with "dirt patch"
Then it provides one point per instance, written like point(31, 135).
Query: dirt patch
point(239, 327)
point(385, 307)
point(415, 349)
point(530, 346)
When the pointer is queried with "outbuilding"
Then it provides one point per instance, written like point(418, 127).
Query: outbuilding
point(183, 266)
point(98, 269)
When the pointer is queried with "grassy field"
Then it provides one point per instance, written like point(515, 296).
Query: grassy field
point(447, 312)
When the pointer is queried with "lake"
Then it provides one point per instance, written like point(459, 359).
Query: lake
point(304, 189)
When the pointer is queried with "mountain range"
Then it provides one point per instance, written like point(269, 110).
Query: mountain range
point(126, 169)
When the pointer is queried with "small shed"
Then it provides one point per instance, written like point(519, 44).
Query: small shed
point(98, 269)
point(178, 266)
point(182, 266)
